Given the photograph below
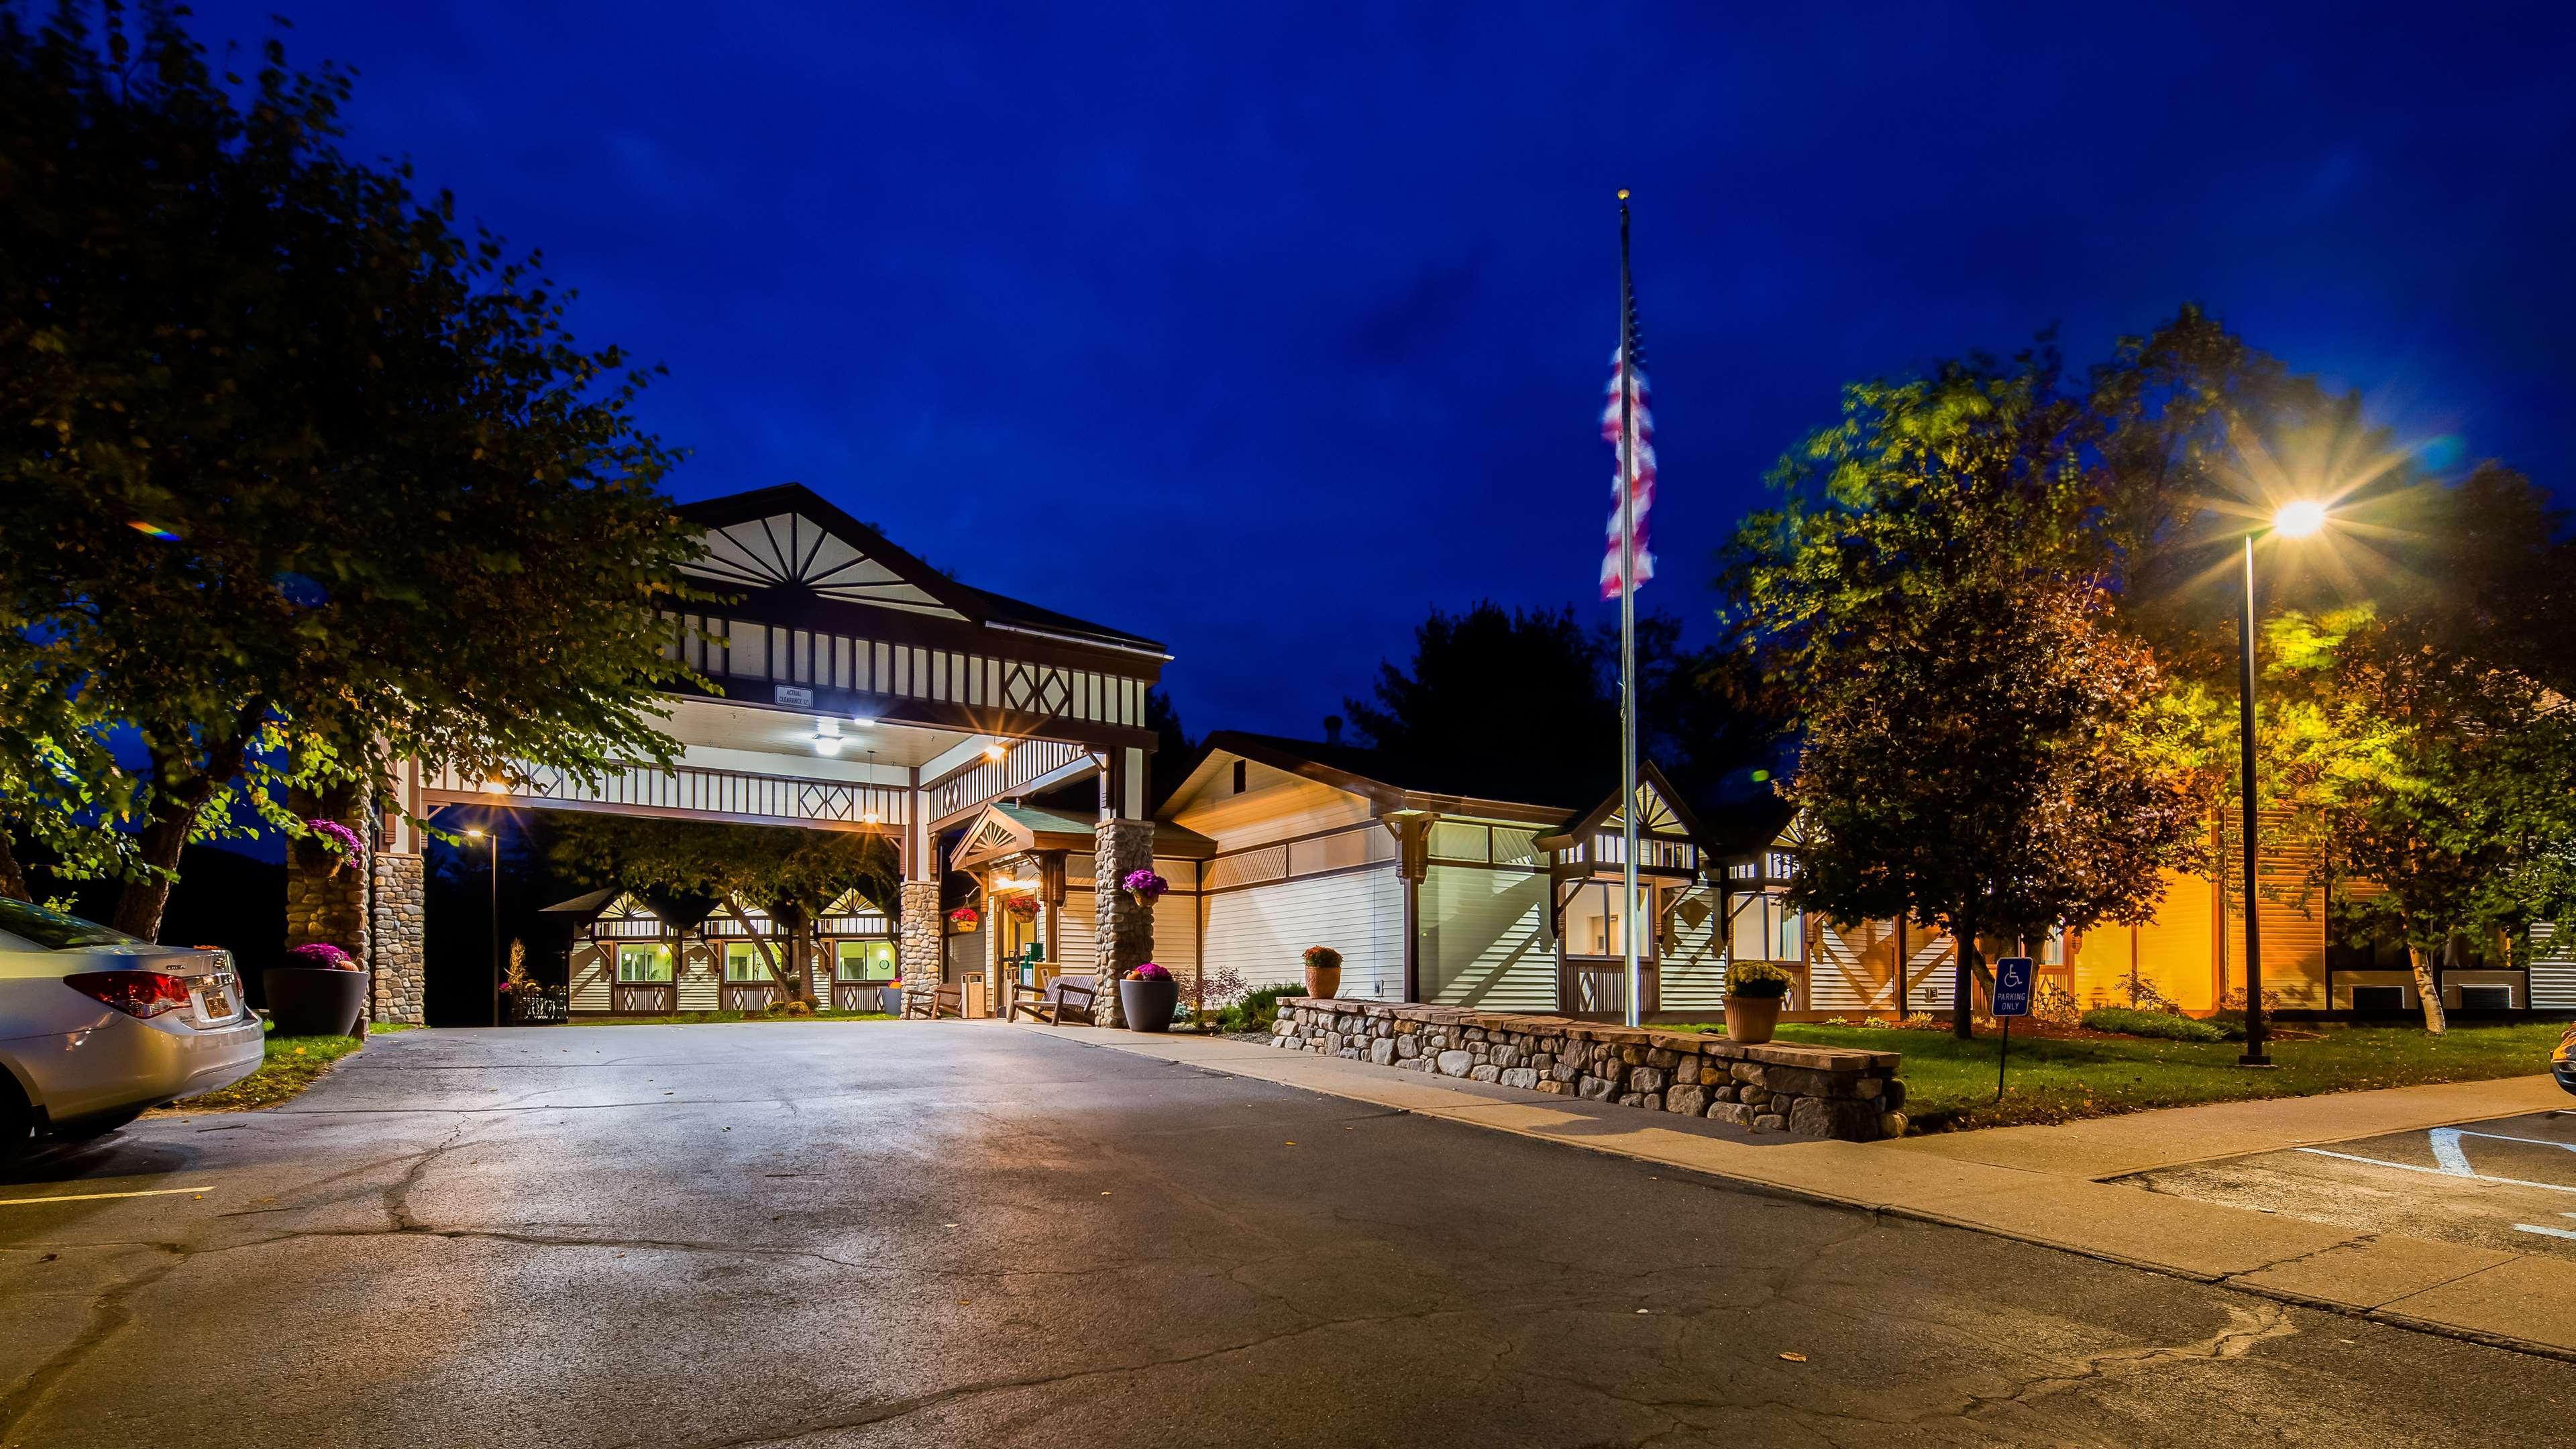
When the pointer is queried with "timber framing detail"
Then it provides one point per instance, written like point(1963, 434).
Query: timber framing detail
point(686, 792)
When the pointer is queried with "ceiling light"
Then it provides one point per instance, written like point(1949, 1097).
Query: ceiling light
point(862, 721)
point(496, 787)
point(996, 750)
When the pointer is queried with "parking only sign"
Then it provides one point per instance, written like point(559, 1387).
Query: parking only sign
point(2012, 986)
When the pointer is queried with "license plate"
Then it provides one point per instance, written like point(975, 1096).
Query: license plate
point(215, 1002)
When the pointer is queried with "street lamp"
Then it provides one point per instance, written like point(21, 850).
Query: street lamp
point(495, 838)
point(2297, 519)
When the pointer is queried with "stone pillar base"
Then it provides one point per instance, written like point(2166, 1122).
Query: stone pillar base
point(1124, 934)
point(918, 944)
point(400, 991)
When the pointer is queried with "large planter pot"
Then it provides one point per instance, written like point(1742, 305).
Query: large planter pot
point(314, 1000)
point(1752, 1019)
point(1148, 1004)
point(1323, 981)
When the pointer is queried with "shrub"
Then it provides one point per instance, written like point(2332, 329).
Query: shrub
point(1259, 1008)
point(1758, 979)
point(2170, 1027)
point(2055, 1005)
point(1323, 958)
point(800, 1008)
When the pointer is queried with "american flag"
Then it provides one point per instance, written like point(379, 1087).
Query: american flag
point(1644, 422)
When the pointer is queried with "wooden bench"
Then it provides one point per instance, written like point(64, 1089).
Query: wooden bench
point(947, 1001)
point(1065, 1002)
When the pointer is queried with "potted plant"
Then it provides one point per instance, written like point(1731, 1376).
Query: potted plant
point(318, 992)
point(1144, 887)
point(1148, 995)
point(965, 919)
point(1753, 993)
point(1323, 971)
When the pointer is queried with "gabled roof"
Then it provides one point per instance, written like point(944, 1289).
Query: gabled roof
point(678, 911)
point(790, 537)
point(1012, 827)
point(1667, 814)
point(1544, 792)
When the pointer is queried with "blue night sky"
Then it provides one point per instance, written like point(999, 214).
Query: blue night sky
point(1262, 333)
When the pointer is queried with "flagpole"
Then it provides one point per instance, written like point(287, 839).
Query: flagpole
point(1635, 1014)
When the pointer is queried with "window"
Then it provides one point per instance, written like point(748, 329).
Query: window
point(863, 960)
point(1592, 921)
point(742, 962)
point(1762, 927)
point(1239, 775)
point(643, 963)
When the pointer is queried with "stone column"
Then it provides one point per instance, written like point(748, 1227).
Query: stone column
point(1125, 930)
point(327, 895)
point(398, 914)
point(918, 945)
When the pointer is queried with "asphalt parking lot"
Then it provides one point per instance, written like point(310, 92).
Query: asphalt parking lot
point(2507, 1184)
point(843, 1236)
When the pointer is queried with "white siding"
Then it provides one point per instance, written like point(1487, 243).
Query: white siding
point(1176, 937)
point(1485, 938)
point(2553, 969)
point(696, 973)
point(1693, 959)
point(1075, 931)
point(1263, 931)
point(590, 972)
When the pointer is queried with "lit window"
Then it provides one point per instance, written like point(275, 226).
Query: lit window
point(863, 960)
point(742, 962)
point(643, 963)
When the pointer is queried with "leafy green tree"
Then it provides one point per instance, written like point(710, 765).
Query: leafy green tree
point(299, 478)
point(793, 874)
point(60, 786)
point(1982, 749)
point(2425, 748)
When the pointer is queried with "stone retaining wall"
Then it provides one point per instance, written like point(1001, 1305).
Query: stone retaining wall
point(1776, 1087)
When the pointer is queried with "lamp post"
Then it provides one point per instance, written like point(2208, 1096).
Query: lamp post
point(494, 837)
point(2292, 520)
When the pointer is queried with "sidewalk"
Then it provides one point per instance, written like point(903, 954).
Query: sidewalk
point(2037, 1184)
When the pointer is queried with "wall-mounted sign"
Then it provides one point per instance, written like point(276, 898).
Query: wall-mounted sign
point(796, 694)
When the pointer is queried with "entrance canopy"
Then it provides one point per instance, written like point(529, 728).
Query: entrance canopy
point(850, 686)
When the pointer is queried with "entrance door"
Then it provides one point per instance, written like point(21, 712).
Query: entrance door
point(748, 986)
point(1592, 965)
point(644, 986)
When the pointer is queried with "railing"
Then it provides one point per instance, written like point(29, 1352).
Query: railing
point(987, 780)
point(688, 792)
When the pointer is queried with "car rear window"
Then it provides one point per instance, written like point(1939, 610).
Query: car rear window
point(54, 930)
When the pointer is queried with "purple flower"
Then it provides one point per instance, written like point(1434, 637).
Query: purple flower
point(1144, 885)
point(1150, 972)
point(341, 840)
point(321, 954)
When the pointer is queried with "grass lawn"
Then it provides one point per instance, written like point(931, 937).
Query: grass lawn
point(1951, 1084)
point(696, 1018)
point(293, 1064)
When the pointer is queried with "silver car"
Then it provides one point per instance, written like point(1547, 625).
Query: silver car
point(96, 1026)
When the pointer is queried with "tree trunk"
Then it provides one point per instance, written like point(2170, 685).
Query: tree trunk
point(13, 879)
point(2427, 990)
point(768, 953)
point(178, 798)
point(1963, 989)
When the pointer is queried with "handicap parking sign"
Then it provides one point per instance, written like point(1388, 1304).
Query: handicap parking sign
point(2012, 986)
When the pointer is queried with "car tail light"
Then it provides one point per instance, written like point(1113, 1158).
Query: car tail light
point(144, 994)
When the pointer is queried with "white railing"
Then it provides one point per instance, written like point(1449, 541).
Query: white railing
point(688, 792)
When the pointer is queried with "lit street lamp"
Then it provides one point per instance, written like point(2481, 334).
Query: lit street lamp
point(495, 838)
point(2297, 519)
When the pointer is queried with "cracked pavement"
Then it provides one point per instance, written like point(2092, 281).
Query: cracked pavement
point(950, 1233)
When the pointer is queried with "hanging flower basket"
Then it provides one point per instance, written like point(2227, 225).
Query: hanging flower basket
point(965, 918)
point(339, 840)
point(1023, 908)
point(1144, 887)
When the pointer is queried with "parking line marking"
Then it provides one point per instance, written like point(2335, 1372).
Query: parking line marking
point(2437, 1172)
point(2544, 1232)
point(95, 1196)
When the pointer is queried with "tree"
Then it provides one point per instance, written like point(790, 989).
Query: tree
point(2428, 754)
point(1536, 688)
point(298, 478)
point(59, 785)
point(793, 874)
point(1982, 748)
